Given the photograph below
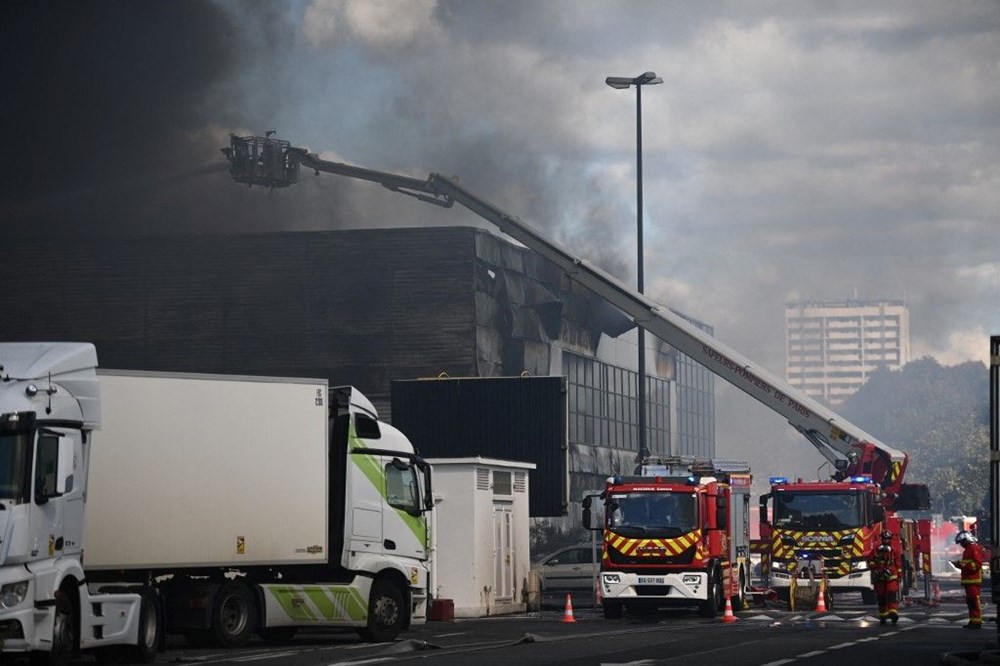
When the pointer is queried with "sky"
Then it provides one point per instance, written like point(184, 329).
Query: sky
point(795, 150)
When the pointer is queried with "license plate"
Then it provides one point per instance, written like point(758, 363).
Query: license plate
point(650, 580)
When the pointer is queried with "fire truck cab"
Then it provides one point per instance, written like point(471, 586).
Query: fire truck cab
point(677, 532)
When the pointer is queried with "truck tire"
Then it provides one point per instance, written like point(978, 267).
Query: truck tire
point(386, 613)
point(613, 609)
point(234, 615)
point(63, 634)
point(710, 607)
point(868, 597)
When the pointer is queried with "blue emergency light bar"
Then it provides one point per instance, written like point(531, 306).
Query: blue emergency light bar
point(779, 479)
point(861, 479)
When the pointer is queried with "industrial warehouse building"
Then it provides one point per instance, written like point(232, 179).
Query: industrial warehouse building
point(365, 307)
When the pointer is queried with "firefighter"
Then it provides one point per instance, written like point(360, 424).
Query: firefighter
point(971, 566)
point(885, 570)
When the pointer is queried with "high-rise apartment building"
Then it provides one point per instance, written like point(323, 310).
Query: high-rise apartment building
point(832, 348)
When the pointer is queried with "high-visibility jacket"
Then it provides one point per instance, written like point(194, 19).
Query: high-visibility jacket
point(971, 564)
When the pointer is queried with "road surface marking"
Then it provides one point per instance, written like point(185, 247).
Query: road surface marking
point(267, 655)
point(840, 646)
point(778, 663)
point(806, 655)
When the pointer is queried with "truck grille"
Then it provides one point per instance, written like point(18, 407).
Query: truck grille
point(684, 557)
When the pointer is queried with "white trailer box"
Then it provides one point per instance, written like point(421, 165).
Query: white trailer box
point(482, 558)
point(203, 470)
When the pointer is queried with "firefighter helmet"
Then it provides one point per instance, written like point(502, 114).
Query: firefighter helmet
point(965, 537)
point(886, 536)
point(884, 548)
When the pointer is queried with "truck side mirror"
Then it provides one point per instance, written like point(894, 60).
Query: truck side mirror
point(721, 512)
point(588, 514)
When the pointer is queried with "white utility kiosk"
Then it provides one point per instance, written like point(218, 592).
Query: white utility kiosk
point(480, 533)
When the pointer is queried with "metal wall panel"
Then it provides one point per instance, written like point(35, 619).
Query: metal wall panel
point(358, 307)
point(511, 418)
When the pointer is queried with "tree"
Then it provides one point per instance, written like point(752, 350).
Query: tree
point(940, 417)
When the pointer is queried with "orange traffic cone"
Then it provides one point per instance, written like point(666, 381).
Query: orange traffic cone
point(568, 613)
point(821, 602)
point(728, 617)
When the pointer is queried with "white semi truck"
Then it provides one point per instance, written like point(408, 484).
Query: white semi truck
point(216, 506)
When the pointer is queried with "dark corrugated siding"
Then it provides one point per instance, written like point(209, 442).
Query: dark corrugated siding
point(357, 307)
point(510, 418)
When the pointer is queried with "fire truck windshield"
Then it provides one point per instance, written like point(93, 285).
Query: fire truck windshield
point(817, 510)
point(652, 514)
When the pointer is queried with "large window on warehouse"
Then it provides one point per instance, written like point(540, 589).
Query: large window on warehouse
point(603, 406)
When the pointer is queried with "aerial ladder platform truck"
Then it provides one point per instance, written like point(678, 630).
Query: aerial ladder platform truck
point(867, 470)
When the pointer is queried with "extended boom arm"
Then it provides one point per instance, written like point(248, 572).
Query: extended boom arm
point(275, 163)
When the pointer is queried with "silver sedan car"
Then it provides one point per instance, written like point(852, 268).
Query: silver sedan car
point(570, 568)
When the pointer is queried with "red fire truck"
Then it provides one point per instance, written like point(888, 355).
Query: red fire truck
point(675, 533)
point(837, 524)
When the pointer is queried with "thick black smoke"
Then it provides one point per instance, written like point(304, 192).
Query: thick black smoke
point(114, 112)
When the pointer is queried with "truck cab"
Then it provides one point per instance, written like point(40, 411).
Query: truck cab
point(675, 533)
point(49, 405)
point(838, 522)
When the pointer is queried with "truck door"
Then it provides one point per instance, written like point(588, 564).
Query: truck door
point(47, 510)
point(404, 529)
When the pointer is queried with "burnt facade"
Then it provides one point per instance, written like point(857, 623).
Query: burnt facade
point(362, 307)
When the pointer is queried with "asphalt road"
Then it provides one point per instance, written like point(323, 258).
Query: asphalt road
point(848, 633)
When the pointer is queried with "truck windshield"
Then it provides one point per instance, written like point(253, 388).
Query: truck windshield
point(817, 511)
point(652, 514)
point(13, 461)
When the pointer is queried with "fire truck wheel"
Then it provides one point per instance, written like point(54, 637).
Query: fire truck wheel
point(613, 609)
point(711, 606)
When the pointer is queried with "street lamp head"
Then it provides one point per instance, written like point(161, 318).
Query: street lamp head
point(622, 82)
point(619, 82)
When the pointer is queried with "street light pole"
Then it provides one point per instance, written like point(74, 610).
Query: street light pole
point(622, 83)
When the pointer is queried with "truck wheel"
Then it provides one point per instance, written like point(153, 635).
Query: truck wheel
point(277, 635)
point(868, 597)
point(710, 606)
point(613, 609)
point(385, 612)
point(234, 616)
point(150, 628)
point(63, 635)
